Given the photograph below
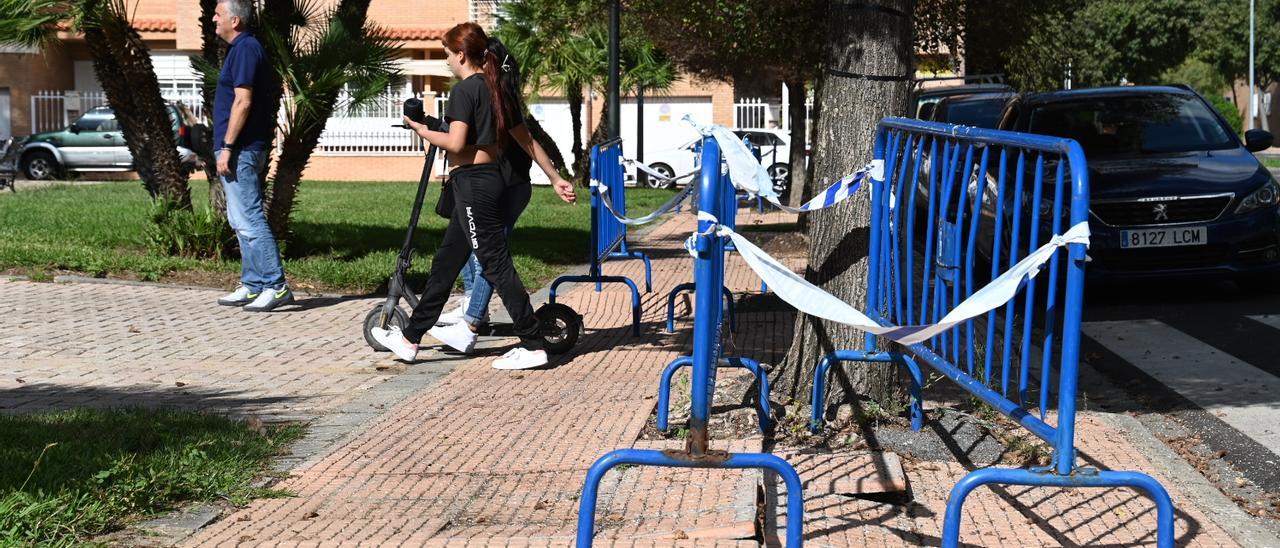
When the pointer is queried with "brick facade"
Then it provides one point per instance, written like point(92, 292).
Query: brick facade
point(172, 26)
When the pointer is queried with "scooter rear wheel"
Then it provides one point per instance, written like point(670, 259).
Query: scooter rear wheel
point(561, 327)
point(378, 318)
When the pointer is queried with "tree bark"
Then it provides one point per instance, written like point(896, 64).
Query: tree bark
point(211, 51)
point(122, 63)
point(545, 141)
point(865, 45)
point(799, 182)
point(580, 159)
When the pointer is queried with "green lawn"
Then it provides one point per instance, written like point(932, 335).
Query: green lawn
point(346, 235)
point(1271, 162)
point(70, 475)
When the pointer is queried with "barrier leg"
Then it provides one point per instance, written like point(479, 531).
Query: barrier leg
point(1042, 478)
point(762, 379)
point(635, 293)
point(733, 317)
point(818, 396)
point(664, 388)
point(671, 304)
point(680, 459)
point(648, 266)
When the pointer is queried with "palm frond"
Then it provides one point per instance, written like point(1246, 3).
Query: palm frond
point(32, 23)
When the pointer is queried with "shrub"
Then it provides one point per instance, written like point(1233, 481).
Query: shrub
point(182, 232)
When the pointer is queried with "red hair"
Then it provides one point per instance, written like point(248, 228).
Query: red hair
point(471, 40)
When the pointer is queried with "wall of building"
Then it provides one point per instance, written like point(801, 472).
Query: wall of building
point(419, 14)
point(25, 73)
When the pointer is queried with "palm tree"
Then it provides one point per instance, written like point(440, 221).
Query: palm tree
point(122, 64)
point(641, 65)
point(562, 47)
point(552, 55)
point(316, 52)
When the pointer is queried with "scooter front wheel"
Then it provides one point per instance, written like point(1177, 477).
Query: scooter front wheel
point(561, 327)
point(379, 318)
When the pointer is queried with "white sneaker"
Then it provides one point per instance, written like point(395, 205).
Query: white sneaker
point(521, 358)
point(394, 341)
point(269, 299)
point(457, 336)
point(454, 316)
point(240, 297)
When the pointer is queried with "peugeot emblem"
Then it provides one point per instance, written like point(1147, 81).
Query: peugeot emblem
point(1161, 211)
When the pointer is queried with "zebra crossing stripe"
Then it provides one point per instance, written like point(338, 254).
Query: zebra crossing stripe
point(1271, 320)
point(1239, 394)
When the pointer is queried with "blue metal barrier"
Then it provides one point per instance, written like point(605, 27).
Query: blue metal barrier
point(978, 201)
point(608, 235)
point(729, 208)
point(709, 277)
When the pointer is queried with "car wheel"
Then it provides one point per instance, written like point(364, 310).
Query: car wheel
point(666, 172)
point(780, 173)
point(39, 165)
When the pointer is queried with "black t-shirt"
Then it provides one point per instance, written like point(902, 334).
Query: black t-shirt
point(469, 102)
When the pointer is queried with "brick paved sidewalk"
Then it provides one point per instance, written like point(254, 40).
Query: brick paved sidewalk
point(109, 345)
point(486, 457)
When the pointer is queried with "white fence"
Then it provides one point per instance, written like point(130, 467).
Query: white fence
point(757, 113)
point(53, 110)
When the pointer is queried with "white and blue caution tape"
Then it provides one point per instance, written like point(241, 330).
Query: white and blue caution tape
point(813, 300)
point(671, 204)
point(655, 174)
point(748, 175)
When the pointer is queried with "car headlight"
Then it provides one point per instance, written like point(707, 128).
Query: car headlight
point(1268, 195)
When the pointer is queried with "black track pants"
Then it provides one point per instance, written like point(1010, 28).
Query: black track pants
point(484, 207)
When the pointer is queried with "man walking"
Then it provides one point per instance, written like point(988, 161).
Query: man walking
point(241, 131)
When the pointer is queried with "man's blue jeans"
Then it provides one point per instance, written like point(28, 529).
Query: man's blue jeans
point(260, 266)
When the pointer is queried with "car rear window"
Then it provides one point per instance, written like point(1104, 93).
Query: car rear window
point(978, 113)
point(1134, 125)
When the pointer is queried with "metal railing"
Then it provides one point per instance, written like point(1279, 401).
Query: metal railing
point(954, 208)
point(608, 235)
point(709, 248)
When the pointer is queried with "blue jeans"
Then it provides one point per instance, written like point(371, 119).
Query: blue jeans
point(260, 266)
point(479, 290)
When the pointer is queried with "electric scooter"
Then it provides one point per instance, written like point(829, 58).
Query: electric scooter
point(561, 325)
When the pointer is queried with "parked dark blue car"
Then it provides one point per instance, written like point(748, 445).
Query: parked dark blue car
point(1173, 191)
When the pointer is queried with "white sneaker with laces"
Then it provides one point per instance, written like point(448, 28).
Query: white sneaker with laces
point(521, 358)
point(394, 341)
point(457, 336)
point(455, 316)
point(270, 298)
point(240, 297)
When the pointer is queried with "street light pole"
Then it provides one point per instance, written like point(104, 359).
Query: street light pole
point(1253, 98)
point(615, 109)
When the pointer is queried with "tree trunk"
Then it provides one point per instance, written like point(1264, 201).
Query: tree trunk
point(211, 52)
point(581, 160)
point(295, 152)
point(862, 46)
point(303, 134)
point(122, 64)
point(799, 182)
point(546, 142)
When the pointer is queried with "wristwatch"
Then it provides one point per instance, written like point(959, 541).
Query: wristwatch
point(225, 146)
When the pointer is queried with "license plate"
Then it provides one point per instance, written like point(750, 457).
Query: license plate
point(1164, 237)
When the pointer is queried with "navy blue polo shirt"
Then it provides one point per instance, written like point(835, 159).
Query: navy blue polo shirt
point(245, 65)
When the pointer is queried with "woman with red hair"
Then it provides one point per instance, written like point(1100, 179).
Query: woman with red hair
point(482, 124)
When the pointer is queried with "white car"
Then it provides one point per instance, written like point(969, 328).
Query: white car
point(775, 155)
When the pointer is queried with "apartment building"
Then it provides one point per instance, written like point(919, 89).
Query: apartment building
point(42, 90)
